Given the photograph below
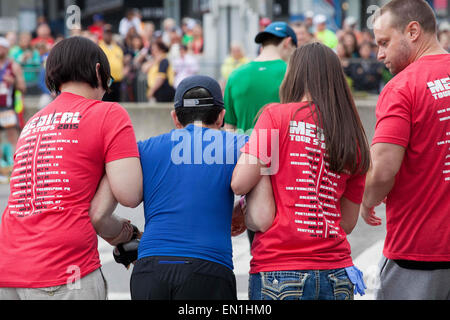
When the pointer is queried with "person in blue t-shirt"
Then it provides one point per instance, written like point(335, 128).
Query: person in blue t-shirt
point(185, 251)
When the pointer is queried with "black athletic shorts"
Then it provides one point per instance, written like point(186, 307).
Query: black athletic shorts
point(180, 278)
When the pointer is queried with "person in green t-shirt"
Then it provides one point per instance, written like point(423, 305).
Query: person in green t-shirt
point(256, 84)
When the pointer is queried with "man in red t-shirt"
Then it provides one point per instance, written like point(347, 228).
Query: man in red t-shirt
point(411, 155)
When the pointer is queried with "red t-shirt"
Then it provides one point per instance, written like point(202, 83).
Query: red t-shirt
point(46, 234)
point(306, 232)
point(413, 111)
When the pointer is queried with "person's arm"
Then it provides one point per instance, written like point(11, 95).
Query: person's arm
point(19, 78)
point(246, 174)
point(260, 211)
point(255, 159)
point(349, 214)
point(113, 229)
point(159, 81)
point(125, 179)
point(386, 161)
point(161, 76)
point(121, 157)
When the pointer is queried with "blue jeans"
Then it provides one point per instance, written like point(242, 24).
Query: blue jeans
point(301, 285)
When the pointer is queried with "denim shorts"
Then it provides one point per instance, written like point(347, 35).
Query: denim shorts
point(301, 285)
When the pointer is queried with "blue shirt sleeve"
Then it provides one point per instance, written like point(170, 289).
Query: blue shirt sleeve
point(242, 139)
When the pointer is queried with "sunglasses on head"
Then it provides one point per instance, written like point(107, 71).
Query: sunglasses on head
point(110, 82)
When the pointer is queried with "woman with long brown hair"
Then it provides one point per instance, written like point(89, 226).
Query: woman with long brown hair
point(314, 147)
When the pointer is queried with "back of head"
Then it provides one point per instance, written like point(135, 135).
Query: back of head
point(314, 71)
point(198, 98)
point(406, 11)
point(75, 60)
point(162, 47)
point(275, 33)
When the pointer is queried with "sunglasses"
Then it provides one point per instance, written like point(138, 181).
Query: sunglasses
point(110, 82)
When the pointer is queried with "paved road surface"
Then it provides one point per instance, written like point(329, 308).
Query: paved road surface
point(366, 243)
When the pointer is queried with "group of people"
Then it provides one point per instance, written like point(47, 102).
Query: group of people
point(22, 61)
point(142, 54)
point(161, 59)
point(355, 48)
point(293, 148)
point(136, 48)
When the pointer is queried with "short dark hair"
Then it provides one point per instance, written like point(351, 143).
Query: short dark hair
point(274, 40)
point(271, 40)
point(207, 115)
point(405, 11)
point(75, 59)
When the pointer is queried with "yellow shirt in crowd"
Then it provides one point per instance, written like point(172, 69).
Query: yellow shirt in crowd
point(230, 64)
point(114, 53)
point(162, 69)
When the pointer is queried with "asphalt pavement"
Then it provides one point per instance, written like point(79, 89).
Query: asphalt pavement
point(366, 243)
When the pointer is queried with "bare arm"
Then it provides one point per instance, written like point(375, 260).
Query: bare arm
point(125, 179)
point(158, 83)
point(261, 207)
point(20, 80)
point(349, 214)
point(108, 226)
point(386, 161)
point(246, 174)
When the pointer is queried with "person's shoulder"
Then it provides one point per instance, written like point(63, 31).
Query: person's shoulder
point(234, 140)
point(15, 51)
point(406, 80)
point(234, 135)
point(399, 87)
point(242, 70)
point(282, 65)
point(274, 107)
point(158, 140)
point(117, 47)
point(228, 60)
point(331, 33)
point(108, 108)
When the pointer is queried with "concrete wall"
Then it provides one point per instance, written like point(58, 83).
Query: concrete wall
point(154, 119)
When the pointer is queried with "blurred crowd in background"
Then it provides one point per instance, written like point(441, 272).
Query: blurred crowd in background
point(147, 64)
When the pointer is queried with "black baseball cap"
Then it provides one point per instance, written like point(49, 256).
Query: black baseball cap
point(278, 29)
point(198, 81)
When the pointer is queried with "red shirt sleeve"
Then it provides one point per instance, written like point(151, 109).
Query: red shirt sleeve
point(393, 118)
point(354, 189)
point(119, 137)
point(262, 140)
